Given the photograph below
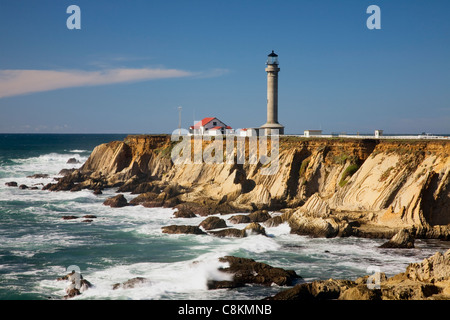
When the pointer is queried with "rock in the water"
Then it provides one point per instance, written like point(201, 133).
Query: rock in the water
point(240, 218)
point(175, 229)
point(11, 184)
point(38, 176)
point(302, 224)
point(66, 172)
point(192, 209)
point(254, 228)
point(157, 203)
point(116, 201)
point(248, 271)
point(144, 197)
point(73, 161)
point(77, 284)
point(131, 283)
point(184, 213)
point(230, 232)
point(213, 223)
point(273, 222)
point(403, 239)
point(69, 217)
point(23, 187)
point(259, 216)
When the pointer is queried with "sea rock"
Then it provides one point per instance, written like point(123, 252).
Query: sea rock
point(191, 209)
point(62, 185)
point(116, 201)
point(157, 203)
point(11, 184)
point(403, 239)
point(38, 176)
point(180, 229)
point(72, 161)
point(184, 213)
point(240, 218)
point(23, 187)
point(143, 197)
point(248, 271)
point(171, 202)
point(77, 284)
point(259, 216)
point(131, 283)
point(69, 217)
point(229, 232)
point(303, 224)
point(213, 223)
point(331, 289)
point(172, 190)
point(274, 221)
point(66, 172)
point(254, 228)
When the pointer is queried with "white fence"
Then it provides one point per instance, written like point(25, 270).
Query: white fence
point(410, 137)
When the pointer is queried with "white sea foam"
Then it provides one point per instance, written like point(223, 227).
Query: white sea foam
point(78, 151)
point(51, 164)
point(166, 280)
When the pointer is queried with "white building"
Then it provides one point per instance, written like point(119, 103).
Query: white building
point(378, 133)
point(210, 126)
point(312, 133)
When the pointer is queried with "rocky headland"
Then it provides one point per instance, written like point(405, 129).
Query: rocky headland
point(324, 187)
point(395, 190)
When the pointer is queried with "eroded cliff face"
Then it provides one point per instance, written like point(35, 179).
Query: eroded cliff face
point(393, 184)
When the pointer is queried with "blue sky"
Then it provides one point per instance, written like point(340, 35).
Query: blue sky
point(134, 62)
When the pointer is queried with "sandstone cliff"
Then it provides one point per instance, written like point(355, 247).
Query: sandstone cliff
point(335, 187)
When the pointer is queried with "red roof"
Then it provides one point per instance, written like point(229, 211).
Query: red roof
point(203, 122)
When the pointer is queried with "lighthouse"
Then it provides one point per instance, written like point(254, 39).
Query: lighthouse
point(272, 126)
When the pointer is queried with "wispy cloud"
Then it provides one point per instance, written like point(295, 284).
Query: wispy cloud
point(19, 82)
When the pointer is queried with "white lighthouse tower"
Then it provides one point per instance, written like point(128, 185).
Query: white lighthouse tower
point(272, 126)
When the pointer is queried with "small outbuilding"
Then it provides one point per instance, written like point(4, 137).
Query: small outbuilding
point(378, 133)
point(312, 133)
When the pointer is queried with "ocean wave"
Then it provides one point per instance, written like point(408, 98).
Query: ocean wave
point(50, 163)
point(78, 151)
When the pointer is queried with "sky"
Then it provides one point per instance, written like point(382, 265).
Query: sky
point(133, 63)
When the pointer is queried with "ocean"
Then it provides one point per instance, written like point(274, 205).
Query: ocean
point(37, 246)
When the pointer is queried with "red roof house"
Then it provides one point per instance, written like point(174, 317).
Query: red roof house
point(210, 125)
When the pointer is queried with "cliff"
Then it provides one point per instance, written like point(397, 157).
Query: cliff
point(326, 187)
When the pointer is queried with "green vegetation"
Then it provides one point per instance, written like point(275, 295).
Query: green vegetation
point(351, 169)
point(303, 166)
point(166, 151)
point(343, 158)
